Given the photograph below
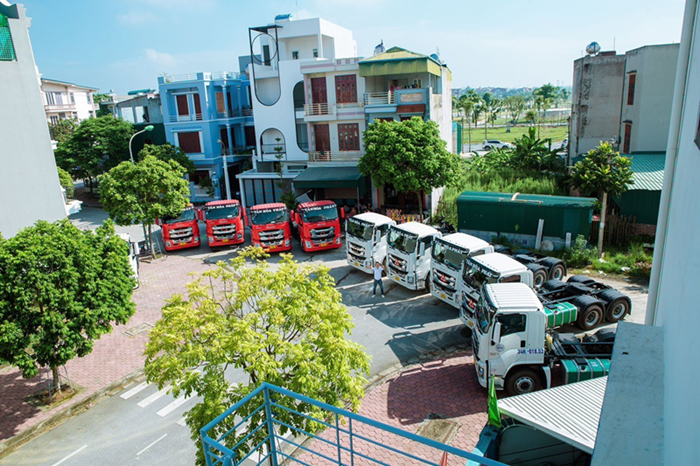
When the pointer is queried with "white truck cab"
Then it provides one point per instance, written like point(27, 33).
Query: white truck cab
point(509, 336)
point(133, 256)
point(366, 240)
point(482, 270)
point(448, 254)
point(409, 247)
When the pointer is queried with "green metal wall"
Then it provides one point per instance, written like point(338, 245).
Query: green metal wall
point(497, 213)
point(641, 204)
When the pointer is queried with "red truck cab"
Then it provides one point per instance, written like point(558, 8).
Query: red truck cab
point(318, 225)
point(224, 221)
point(269, 227)
point(182, 231)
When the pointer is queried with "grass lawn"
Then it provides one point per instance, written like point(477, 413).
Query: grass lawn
point(556, 133)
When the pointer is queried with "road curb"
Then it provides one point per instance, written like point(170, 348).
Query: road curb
point(9, 445)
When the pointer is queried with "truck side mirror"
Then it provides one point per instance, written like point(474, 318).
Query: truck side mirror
point(496, 339)
point(377, 236)
point(342, 213)
point(245, 218)
point(200, 214)
point(158, 222)
point(421, 249)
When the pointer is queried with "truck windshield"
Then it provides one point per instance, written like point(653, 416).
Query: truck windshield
point(483, 315)
point(475, 277)
point(448, 255)
point(359, 229)
point(187, 215)
point(320, 214)
point(265, 217)
point(224, 211)
point(402, 240)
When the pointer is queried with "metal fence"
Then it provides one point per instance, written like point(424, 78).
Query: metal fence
point(338, 444)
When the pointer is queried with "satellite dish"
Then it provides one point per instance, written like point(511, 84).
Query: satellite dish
point(547, 246)
point(593, 48)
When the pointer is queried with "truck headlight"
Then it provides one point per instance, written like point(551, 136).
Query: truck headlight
point(286, 242)
point(240, 236)
point(308, 244)
point(337, 240)
point(196, 239)
point(410, 279)
point(368, 263)
point(480, 370)
point(210, 238)
point(168, 243)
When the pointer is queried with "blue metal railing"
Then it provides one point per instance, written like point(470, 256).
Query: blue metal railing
point(265, 442)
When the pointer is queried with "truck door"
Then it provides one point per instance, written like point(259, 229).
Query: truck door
point(512, 347)
point(379, 248)
point(423, 262)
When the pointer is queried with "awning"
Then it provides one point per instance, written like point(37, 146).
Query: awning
point(329, 177)
point(569, 413)
point(412, 108)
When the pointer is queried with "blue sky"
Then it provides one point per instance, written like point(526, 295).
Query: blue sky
point(127, 44)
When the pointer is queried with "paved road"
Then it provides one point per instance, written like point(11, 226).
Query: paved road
point(143, 424)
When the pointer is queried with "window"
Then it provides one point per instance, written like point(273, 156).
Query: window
point(53, 119)
point(7, 49)
point(512, 323)
point(72, 98)
point(349, 136)
point(266, 55)
point(417, 83)
point(295, 55)
point(50, 99)
point(89, 98)
point(630, 88)
point(511, 279)
point(189, 142)
point(628, 137)
point(220, 103)
point(183, 108)
point(197, 106)
point(315, 53)
point(346, 89)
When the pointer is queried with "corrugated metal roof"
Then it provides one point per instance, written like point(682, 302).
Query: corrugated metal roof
point(398, 60)
point(648, 171)
point(512, 296)
point(530, 199)
point(569, 413)
point(396, 53)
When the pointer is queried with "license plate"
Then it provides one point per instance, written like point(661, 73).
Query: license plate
point(225, 240)
point(442, 295)
point(470, 324)
point(397, 279)
point(272, 248)
point(356, 264)
point(323, 245)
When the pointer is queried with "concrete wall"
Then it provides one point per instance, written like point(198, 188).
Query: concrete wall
point(677, 267)
point(650, 113)
point(596, 101)
point(29, 187)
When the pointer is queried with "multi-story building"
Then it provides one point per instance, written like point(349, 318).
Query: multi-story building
point(29, 186)
point(624, 99)
point(209, 116)
point(313, 99)
point(142, 108)
point(67, 100)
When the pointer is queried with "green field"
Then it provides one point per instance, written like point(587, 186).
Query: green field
point(556, 133)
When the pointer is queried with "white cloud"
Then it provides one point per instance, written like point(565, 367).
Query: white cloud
point(161, 59)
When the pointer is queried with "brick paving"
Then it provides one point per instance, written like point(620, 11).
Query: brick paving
point(444, 387)
point(114, 356)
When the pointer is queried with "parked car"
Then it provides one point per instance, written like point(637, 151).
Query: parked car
point(495, 144)
point(564, 144)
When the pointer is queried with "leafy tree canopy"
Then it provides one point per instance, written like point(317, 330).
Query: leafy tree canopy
point(97, 145)
point(66, 182)
point(167, 152)
point(548, 92)
point(62, 130)
point(287, 327)
point(410, 155)
point(143, 192)
point(60, 289)
point(603, 170)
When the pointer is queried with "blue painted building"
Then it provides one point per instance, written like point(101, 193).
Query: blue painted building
point(209, 116)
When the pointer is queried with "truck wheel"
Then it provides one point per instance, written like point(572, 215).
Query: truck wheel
point(617, 305)
point(590, 312)
point(579, 279)
point(539, 276)
point(558, 272)
point(427, 283)
point(553, 285)
point(521, 381)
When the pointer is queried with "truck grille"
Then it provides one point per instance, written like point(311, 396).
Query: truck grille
point(397, 263)
point(443, 287)
point(322, 233)
point(444, 282)
point(356, 250)
point(224, 231)
point(181, 233)
point(271, 237)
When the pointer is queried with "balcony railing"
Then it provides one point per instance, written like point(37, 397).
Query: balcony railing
point(190, 117)
point(379, 98)
point(318, 109)
point(200, 76)
point(59, 107)
point(326, 156)
point(236, 113)
point(347, 439)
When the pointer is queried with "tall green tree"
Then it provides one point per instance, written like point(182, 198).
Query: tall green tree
point(604, 172)
point(532, 153)
point(515, 106)
point(166, 152)
point(410, 155)
point(143, 192)
point(287, 327)
point(63, 129)
point(548, 91)
point(97, 145)
point(467, 106)
point(60, 290)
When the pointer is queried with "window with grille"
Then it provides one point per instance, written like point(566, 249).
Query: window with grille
point(346, 89)
point(189, 142)
point(7, 49)
point(630, 88)
point(627, 138)
point(349, 137)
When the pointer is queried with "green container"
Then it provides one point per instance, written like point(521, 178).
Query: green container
point(586, 370)
point(490, 214)
point(560, 314)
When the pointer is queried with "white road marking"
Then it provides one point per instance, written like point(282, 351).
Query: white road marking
point(182, 422)
point(172, 406)
point(153, 443)
point(71, 455)
point(153, 397)
point(134, 390)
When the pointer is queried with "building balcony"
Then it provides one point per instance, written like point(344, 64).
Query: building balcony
point(272, 151)
point(323, 109)
point(60, 108)
point(244, 112)
point(180, 78)
point(340, 156)
point(379, 98)
point(398, 97)
point(181, 118)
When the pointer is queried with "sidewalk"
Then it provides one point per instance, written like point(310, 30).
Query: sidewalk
point(445, 388)
point(114, 356)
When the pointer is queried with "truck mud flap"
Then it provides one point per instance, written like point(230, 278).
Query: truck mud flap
point(580, 369)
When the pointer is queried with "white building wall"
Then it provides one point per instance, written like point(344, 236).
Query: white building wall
point(673, 297)
point(650, 113)
point(29, 186)
point(76, 102)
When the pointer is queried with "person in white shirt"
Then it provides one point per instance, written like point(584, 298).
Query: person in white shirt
point(377, 270)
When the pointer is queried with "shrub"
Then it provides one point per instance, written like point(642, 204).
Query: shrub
point(580, 254)
point(66, 182)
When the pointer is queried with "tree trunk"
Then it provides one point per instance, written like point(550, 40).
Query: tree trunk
point(601, 226)
point(56, 380)
point(150, 241)
point(420, 204)
point(470, 134)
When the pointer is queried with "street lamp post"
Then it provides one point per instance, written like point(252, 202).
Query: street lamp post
point(148, 128)
point(223, 155)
